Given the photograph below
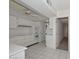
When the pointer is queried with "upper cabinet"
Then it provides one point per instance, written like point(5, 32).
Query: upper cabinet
point(27, 22)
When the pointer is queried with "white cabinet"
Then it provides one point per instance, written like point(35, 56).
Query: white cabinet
point(20, 55)
point(16, 52)
point(22, 21)
point(12, 22)
point(23, 40)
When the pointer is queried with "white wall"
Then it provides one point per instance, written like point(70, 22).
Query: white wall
point(51, 34)
point(65, 30)
point(59, 32)
point(63, 13)
point(55, 33)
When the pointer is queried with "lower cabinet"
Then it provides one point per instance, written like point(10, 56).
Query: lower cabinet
point(20, 55)
point(16, 51)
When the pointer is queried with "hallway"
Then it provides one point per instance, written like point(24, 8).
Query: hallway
point(63, 44)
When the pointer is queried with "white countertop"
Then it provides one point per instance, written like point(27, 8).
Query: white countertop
point(13, 49)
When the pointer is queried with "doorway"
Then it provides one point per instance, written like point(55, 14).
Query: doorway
point(63, 45)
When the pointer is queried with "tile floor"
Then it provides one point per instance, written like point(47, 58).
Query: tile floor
point(40, 51)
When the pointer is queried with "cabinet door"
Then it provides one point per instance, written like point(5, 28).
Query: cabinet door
point(20, 55)
point(12, 22)
point(22, 21)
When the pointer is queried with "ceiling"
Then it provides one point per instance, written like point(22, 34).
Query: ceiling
point(61, 4)
point(25, 12)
